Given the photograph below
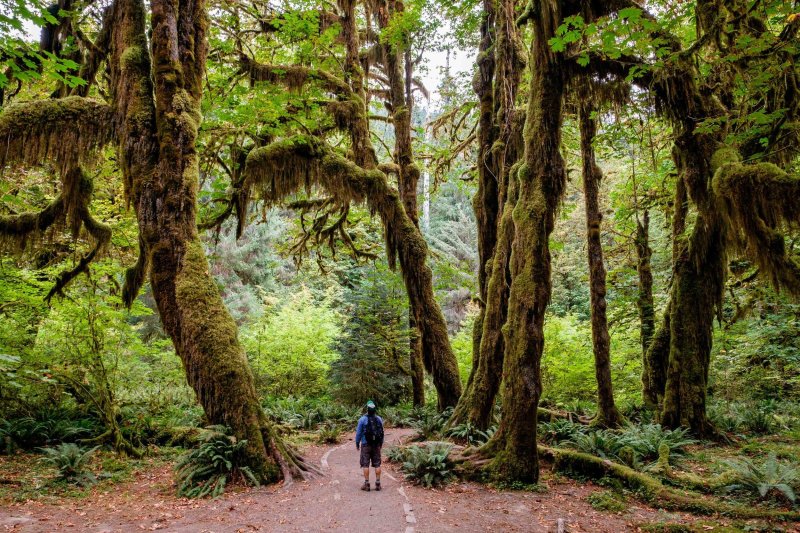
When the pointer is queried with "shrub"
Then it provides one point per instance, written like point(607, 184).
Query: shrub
point(72, 462)
point(291, 348)
point(768, 478)
point(428, 465)
point(205, 470)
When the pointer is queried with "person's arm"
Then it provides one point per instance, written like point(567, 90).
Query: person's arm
point(359, 431)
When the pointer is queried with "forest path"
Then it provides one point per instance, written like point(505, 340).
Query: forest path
point(332, 502)
point(335, 501)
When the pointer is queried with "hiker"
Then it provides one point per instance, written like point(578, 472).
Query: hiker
point(369, 438)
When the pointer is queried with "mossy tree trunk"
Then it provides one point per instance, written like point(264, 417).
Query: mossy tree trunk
point(157, 99)
point(541, 180)
point(408, 174)
point(644, 301)
point(486, 202)
point(607, 413)
point(401, 229)
point(499, 145)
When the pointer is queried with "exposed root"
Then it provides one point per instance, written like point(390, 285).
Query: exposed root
point(292, 464)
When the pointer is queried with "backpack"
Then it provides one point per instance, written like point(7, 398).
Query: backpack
point(374, 431)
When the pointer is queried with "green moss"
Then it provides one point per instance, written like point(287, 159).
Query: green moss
point(724, 156)
point(607, 500)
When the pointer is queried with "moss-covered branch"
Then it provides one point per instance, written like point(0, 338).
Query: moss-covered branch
point(17, 232)
point(294, 76)
point(64, 131)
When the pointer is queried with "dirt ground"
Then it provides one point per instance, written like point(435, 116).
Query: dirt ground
point(330, 503)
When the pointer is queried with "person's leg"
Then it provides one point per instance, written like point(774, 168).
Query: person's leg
point(364, 461)
point(376, 462)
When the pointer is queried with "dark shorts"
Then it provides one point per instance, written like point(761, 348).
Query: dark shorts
point(370, 454)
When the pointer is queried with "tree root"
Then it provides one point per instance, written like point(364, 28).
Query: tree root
point(291, 463)
point(651, 490)
point(117, 441)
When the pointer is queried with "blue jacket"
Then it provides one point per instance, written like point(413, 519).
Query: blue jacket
point(361, 437)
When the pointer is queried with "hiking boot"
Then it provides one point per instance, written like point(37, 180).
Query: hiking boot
point(377, 485)
point(365, 486)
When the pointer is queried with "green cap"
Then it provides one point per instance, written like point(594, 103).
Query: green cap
point(370, 404)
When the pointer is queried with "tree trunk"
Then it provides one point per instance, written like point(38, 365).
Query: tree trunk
point(500, 143)
point(644, 302)
point(541, 180)
point(607, 413)
point(486, 377)
point(158, 114)
point(417, 368)
point(700, 265)
point(486, 201)
point(408, 176)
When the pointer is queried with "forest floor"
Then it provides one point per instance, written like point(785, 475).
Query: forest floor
point(147, 502)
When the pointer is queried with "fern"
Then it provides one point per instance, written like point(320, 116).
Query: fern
point(329, 434)
point(71, 461)
point(205, 470)
point(603, 443)
point(428, 465)
point(469, 433)
point(645, 440)
point(559, 430)
point(769, 477)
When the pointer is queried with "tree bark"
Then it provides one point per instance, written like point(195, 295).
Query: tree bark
point(486, 201)
point(607, 413)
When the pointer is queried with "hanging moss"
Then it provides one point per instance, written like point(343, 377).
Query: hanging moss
point(757, 201)
point(66, 131)
point(294, 77)
point(135, 276)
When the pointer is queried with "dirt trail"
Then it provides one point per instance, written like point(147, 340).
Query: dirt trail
point(329, 503)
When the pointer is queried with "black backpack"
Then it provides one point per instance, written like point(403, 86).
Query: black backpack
point(374, 431)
